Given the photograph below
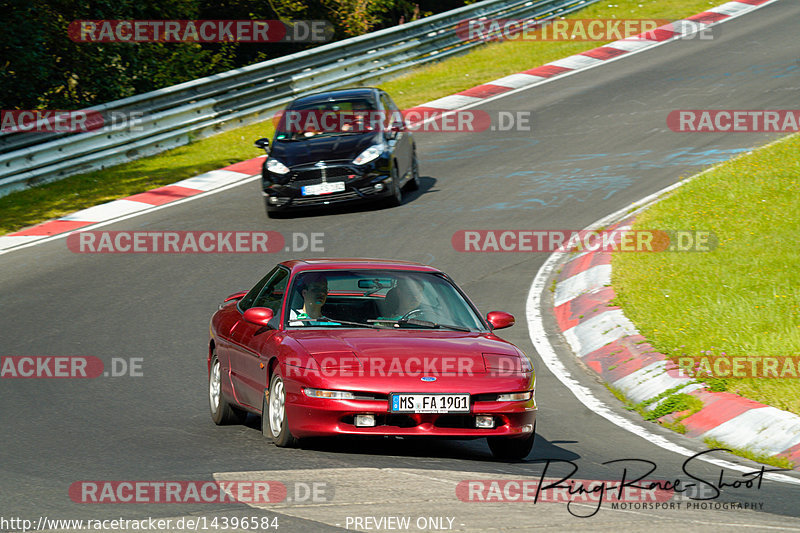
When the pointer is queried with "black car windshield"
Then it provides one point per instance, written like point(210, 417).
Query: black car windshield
point(381, 299)
point(331, 117)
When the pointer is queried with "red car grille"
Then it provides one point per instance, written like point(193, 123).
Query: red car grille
point(409, 421)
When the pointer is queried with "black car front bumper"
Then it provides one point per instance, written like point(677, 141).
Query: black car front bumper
point(366, 183)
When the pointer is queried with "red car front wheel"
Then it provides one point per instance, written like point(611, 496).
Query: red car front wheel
point(512, 448)
point(274, 424)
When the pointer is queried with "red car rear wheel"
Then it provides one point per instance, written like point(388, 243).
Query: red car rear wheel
point(222, 412)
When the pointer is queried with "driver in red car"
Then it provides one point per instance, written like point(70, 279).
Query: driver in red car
point(406, 296)
point(314, 290)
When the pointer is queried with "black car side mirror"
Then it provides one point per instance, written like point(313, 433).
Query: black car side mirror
point(395, 128)
point(262, 143)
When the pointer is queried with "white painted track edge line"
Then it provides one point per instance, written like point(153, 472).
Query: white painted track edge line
point(248, 179)
point(538, 336)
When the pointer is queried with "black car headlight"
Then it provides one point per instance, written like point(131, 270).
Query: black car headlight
point(277, 172)
point(370, 154)
point(276, 167)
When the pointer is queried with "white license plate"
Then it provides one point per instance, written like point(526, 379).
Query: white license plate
point(322, 188)
point(429, 403)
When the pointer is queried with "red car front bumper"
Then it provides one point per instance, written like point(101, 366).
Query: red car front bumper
point(309, 417)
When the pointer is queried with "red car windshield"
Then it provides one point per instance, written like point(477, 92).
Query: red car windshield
point(379, 298)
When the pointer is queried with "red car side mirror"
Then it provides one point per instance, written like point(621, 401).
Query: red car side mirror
point(259, 316)
point(500, 319)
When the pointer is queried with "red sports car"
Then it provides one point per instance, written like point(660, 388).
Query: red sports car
point(368, 347)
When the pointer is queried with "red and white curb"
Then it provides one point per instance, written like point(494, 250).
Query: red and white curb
point(136, 204)
point(220, 179)
point(608, 343)
point(594, 57)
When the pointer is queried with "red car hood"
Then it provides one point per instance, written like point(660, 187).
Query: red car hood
point(409, 350)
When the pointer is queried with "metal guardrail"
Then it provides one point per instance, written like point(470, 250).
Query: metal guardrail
point(176, 115)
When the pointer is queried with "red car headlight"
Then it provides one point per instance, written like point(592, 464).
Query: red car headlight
point(332, 394)
point(506, 363)
point(515, 396)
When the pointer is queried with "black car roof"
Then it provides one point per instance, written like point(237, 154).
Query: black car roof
point(343, 94)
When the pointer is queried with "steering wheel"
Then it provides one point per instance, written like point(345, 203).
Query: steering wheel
point(431, 313)
point(409, 314)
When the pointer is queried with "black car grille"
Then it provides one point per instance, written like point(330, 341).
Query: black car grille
point(302, 181)
point(351, 194)
point(335, 197)
point(366, 191)
point(313, 175)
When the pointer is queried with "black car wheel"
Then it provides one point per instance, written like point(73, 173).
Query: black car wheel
point(397, 193)
point(274, 424)
point(222, 412)
point(274, 213)
point(512, 449)
point(413, 183)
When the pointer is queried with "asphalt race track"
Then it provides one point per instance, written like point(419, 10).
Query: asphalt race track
point(599, 141)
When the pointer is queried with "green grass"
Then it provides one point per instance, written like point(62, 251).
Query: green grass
point(420, 85)
point(777, 461)
point(673, 404)
point(742, 299)
point(53, 200)
point(677, 427)
point(619, 396)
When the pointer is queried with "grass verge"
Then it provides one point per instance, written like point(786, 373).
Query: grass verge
point(773, 460)
point(674, 403)
point(741, 299)
point(420, 85)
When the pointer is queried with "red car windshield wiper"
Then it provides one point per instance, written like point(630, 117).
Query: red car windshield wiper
point(429, 324)
point(334, 322)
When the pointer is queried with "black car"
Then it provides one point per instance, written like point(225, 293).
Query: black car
point(339, 146)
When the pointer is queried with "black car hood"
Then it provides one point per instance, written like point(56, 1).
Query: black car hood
point(323, 148)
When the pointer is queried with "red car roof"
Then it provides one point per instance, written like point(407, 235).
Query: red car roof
point(298, 265)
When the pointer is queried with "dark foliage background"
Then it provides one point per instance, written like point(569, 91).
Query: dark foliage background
point(40, 67)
